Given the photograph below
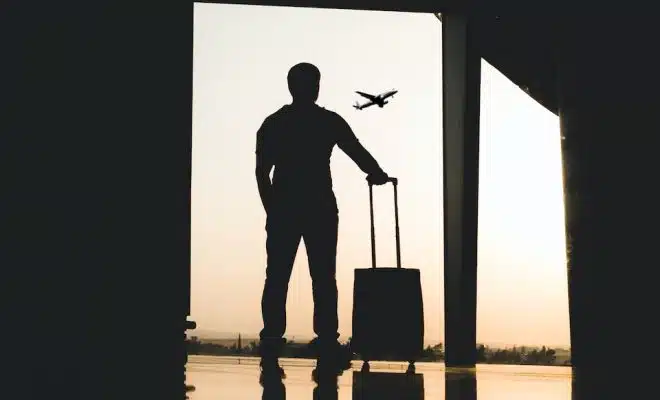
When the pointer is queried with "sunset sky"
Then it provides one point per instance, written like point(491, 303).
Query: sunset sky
point(241, 58)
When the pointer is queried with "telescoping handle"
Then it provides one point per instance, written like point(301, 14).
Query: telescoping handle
point(395, 183)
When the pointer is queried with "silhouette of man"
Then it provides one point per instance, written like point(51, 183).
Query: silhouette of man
point(297, 141)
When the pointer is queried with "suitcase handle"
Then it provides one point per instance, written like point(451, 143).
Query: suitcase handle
point(395, 183)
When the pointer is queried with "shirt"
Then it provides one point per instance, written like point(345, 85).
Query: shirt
point(298, 141)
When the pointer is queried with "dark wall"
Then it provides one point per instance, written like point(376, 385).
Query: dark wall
point(96, 145)
point(608, 126)
point(96, 137)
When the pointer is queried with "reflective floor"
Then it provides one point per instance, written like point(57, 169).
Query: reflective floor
point(239, 378)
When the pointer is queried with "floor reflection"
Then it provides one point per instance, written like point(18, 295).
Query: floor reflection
point(387, 386)
point(460, 385)
point(273, 386)
point(327, 386)
point(600, 383)
point(215, 377)
point(366, 386)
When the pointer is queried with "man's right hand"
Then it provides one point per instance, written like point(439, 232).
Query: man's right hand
point(378, 179)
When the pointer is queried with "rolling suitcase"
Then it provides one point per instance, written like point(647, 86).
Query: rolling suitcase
point(388, 312)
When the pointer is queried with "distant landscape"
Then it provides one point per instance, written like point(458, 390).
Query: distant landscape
point(202, 342)
point(230, 339)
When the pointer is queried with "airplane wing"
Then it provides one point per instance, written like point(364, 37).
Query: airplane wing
point(390, 94)
point(367, 95)
point(359, 106)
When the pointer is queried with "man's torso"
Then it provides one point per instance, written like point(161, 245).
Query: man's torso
point(300, 143)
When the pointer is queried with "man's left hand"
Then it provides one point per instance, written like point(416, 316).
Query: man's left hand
point(378, 179)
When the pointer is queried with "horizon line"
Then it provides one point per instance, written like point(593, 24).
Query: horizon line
point(234, 336)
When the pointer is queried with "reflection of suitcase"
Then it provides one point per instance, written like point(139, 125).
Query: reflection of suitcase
point(387, 386)
point(388, 313)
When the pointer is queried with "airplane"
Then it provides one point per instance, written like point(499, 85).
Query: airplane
point(379, 99)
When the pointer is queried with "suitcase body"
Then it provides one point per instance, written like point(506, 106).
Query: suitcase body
point(388, 317)
point(388, 311)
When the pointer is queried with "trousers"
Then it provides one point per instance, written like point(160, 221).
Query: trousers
point(318, 230)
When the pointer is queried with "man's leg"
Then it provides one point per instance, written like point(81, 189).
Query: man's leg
point(320, 236)
point(281, 247)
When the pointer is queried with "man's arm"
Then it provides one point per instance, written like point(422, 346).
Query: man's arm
point(350, 145)
point(264, 165)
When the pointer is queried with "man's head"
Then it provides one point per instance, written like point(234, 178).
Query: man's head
point(304, 79)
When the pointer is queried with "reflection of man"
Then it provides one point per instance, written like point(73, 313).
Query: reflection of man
point(273, 387)
point(327, 385)
point(297, 140)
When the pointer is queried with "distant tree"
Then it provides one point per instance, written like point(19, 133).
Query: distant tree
point(484, 354)
point(439, 350)
point(481, 353)
point(253, 348)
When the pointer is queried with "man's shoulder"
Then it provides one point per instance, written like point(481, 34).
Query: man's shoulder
point(328, 112)
point(332, 116)
point(282, 111)
point(273, 120)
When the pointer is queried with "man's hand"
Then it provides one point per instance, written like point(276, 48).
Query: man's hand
point(265, 187)
point(378, 179)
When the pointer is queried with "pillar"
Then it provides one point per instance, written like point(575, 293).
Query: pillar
point(608, 102)
point(461, 74)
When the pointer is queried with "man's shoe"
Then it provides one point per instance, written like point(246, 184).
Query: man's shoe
point(330, 367)
point(271, 347)
point(335, 362)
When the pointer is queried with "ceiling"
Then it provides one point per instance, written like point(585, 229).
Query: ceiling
point(521, 44)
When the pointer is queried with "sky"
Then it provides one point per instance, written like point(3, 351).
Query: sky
point(241, 58)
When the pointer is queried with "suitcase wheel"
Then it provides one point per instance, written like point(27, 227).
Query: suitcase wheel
point(411, 368)
point(365, 366)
